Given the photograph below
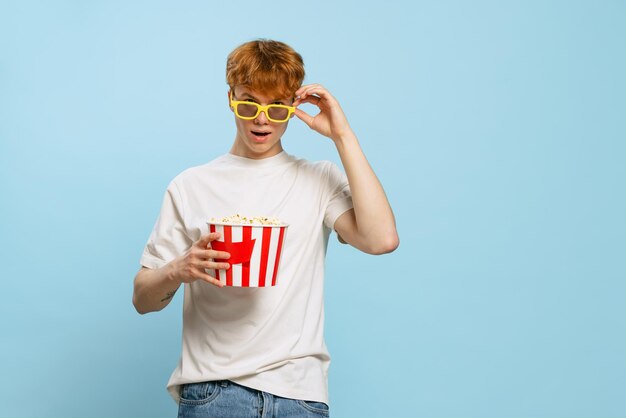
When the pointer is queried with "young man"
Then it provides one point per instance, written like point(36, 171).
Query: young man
point(261, 352)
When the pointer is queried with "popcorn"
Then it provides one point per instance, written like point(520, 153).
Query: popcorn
point(238, 219)
point(255, 246)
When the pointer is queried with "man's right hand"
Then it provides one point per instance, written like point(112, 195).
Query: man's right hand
point(191, 266)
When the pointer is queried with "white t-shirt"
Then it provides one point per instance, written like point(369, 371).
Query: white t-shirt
point(270, 339)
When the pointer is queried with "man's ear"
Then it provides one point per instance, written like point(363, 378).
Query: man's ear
point(228, 94)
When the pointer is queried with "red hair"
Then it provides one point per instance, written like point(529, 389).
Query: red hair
point(270, 67)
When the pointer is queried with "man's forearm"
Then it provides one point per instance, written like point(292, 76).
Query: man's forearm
point(154, 289)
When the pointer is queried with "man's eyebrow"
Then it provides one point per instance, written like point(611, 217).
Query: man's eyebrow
point(254, 98)
point(280, 100)
point(249, 96)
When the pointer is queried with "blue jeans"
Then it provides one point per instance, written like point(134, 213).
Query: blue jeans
point(225, 399)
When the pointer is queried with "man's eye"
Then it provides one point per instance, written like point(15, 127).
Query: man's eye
point(250, 100)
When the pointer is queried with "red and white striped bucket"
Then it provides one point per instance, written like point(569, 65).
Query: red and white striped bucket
point(254, 253)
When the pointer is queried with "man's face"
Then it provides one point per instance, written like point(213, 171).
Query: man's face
point(258, 138)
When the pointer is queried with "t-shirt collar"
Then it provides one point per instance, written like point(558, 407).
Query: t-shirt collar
point(280, 158)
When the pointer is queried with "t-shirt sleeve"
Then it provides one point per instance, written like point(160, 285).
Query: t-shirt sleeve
point(340, 199)
point(168, 239)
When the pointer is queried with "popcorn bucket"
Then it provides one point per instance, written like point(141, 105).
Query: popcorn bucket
point(254, 253)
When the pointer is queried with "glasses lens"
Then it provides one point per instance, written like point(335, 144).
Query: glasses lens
point(247, 110)
point(278, 113)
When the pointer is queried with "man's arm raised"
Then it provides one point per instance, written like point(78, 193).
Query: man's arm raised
point(370, 226)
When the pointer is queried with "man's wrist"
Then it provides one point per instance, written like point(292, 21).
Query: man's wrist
point(170, 274)
point(346, 138)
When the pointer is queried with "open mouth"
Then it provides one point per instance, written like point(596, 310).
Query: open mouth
point(259, 135)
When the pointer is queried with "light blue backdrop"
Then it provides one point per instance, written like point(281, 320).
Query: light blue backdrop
point(497, 129)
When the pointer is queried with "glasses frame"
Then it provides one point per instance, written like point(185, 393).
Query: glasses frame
point(259, 109)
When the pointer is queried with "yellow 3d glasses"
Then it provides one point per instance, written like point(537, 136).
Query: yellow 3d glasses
point(250, 110)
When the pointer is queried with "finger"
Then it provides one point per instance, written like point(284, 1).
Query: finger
point(303, 93)
point(204, 241)
point(314, 100)
point(304, 117)
point(317, 91)
point(302, 89)
point(213, 236)
point(209, 279)
point(313, 89)
point(220, 255)
point(306, 93)
point(212, 265)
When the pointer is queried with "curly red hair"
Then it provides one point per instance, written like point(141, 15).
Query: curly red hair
point(270, 67)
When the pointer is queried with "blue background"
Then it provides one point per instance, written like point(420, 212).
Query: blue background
point(497, 129)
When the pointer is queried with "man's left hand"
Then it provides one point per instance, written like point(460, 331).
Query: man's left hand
point(330, 121)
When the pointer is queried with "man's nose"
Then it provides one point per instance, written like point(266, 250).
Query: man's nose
point(262, 119)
